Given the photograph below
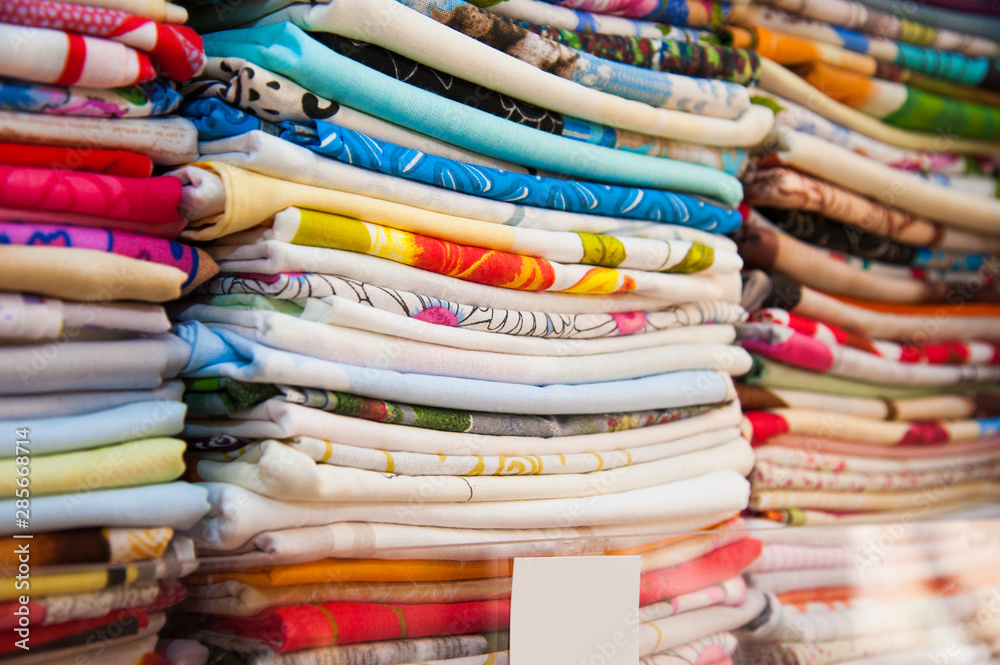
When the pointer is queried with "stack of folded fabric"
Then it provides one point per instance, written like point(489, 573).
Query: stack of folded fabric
point(874, 216)
point(867, 421)
point(869, 64)
point(87, 80)
point(89, 399)
point(450, 604)
point(474, 302)
point(900, 593)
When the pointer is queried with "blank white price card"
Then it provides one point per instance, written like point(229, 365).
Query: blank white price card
point(575, 611)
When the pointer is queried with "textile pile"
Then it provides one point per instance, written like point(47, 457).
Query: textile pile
point(871, 256)
point(401, 609)
point(458, 282)
point(474, 300)
point(89, 400)
point(902, 592)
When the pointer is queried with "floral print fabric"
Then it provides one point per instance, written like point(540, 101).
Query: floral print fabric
point(681, 57)
point(147, 99)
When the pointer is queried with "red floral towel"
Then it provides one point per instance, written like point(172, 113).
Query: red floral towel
point(307, 626)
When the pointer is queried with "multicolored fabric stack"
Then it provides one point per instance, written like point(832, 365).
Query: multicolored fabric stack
point(876, 320)
point(903, 592)
point(849, 428)
point(402, 609)
point(89, 399)
point(878, 64)
point(474, 300)
point(87, 78)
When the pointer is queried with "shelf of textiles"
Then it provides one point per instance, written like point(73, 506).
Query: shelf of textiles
point(903, 591)
point(90, 593)
point(90, 400)
point(533, 278)
point(744, 591)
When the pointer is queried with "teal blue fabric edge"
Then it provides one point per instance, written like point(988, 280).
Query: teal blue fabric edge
point(286, 49)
